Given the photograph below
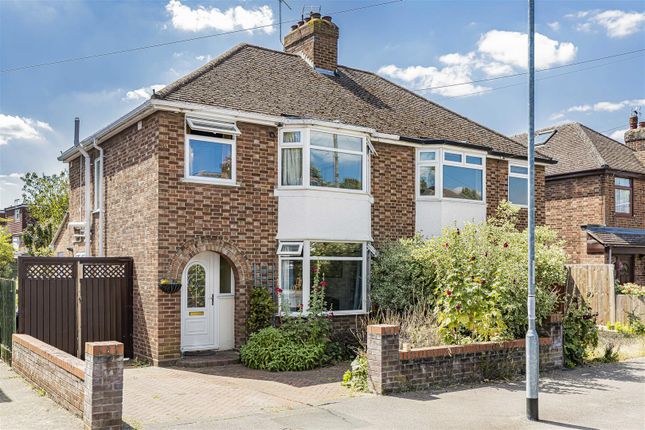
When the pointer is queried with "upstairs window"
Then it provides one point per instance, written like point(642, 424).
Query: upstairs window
point(16, 215)
point(323, 160)
point(518, 185)
point(210, 151)
point(623, 195)
point(543, 137)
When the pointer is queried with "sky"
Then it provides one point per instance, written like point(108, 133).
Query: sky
point(418, 44)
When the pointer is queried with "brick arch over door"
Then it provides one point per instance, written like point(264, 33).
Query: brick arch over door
point(239, 263)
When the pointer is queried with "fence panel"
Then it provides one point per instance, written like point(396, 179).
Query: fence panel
point(629, 304)
point(46, 300)
point(106, 301)
point(67, 301)
point(7, 317)
point(595, 283)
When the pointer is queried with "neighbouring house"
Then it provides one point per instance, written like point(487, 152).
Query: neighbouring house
point(261, 166)
point(595, 195)
point(16, 218)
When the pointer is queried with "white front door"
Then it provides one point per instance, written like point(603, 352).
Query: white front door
point(200, 285)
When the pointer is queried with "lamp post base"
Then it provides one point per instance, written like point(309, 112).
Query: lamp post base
point(532, 409)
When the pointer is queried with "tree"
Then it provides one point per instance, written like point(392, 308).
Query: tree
point(6, 251)
point(47, 200)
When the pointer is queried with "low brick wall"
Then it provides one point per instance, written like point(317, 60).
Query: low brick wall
point(91, 389)
point(392, 370)
point(61, 375)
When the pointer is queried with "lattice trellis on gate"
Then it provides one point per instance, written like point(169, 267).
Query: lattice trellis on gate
point(104, 270)
point(48, 271)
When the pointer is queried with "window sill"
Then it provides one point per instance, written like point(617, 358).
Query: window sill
point(209, 182)
point(324, 192)
point(446, 199)
point(334, 313)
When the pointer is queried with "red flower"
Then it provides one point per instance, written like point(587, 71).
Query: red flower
point(458, 307)
point(278, 290)
point(315, 269)
point(448, 293)
point(505, 244)
point(446, 245)
point(324, 284)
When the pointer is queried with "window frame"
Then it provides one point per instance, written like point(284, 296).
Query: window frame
point(287, 253)
point(306, 147)
point(306, 259)
point(629, 188)
point(206, 180)
point(439, 162)
point(512, 174)
point(17, 215)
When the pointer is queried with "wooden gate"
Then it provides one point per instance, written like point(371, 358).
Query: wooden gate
point(595, 284)
point(67, 301)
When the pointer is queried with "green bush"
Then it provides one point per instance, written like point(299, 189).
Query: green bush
point(300, 343)
point(356, 378)
point(580, 332)
point(262, 309)
point(474, 277)
point(631, 289)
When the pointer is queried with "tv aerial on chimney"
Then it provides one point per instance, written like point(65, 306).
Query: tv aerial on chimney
point(280, 16)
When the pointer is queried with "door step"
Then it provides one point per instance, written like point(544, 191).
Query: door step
point(209, 359)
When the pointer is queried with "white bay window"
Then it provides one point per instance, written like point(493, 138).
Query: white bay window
point(340, 265)
point(313, 158)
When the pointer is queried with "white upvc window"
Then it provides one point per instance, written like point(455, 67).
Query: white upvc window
point(518, 184)
point(16, 214)
point(322, 159)
point(290, 248)
point(210, 151)
point(98, 177)
point(446, 173)
point(342, 266)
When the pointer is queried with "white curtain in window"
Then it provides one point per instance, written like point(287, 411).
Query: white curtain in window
point(292, 166)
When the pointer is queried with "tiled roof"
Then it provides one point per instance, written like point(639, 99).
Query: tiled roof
point(255, 79)
point(578, 148)
point(617, 237)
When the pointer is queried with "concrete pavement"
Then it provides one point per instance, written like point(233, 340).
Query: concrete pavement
point(596, 397)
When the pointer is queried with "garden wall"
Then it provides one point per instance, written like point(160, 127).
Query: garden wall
point(392, 370)
point(91, 389)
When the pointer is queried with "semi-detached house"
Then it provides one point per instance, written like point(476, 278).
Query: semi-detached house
point(262, 165)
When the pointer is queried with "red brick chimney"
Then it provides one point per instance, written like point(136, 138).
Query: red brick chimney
point(635, 136)
point(316, 40)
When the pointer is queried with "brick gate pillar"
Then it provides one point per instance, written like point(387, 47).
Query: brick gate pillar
point(103, 404)
point(383, 362)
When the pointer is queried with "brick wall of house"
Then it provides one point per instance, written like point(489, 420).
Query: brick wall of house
point(393, 188)
point(497, 190)
point(238, 222)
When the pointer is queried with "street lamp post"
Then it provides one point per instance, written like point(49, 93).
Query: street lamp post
point(532, 344)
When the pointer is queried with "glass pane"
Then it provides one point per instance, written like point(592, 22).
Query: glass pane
point(350, 143)
point(344, 288)
point(450, 156)
point(518, 190)
point(471, 159)
point(336, 249)
point(427, 156)
point(290, 248)
point(336, 170)
point(291, 137)
point(196, 288)
point(322, 139)
point(623, 201)
point(462, 183)
point(292, 166)
point(520, 170)
point(622, 182)
point(225, 276)
point(426, 180)
point(543, 137)
point(210, 159)
point(291, 283)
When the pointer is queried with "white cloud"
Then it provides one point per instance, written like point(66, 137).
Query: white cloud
point(13, 127)
point(201, 18)
point(425, 77)
point(605, 106)
point(619, 135)
point(142, 93)
point(10, 188)
point(204, 58)
point(510, 47)
point(555, 25)
point(456, 59)
point(556, 116)
point(616, 23)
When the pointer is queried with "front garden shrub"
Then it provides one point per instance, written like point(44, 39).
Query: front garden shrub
point(631, 289)
point(301, 342)
point(262, 309)
point(580, 331)
point(477, 277)
point(356, 378)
